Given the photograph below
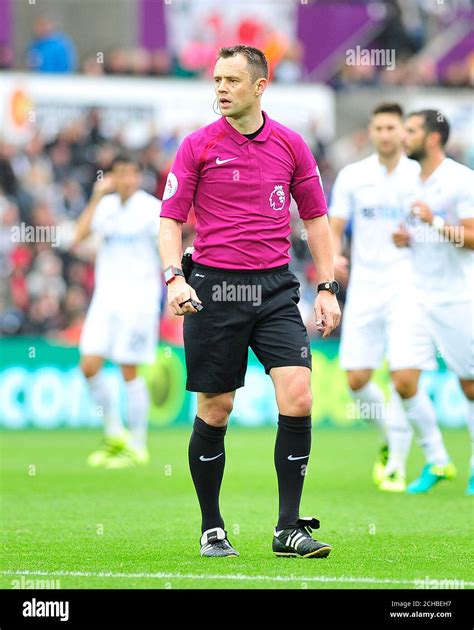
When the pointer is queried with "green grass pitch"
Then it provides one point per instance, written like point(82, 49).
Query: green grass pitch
point(139, 528)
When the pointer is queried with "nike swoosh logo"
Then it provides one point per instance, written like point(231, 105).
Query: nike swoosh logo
point(209, 459)
point(293, 459)
point(218, 161)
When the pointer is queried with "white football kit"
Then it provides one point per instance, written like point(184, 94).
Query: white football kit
point(122, 321)
point(443, 270)
point(381, 317)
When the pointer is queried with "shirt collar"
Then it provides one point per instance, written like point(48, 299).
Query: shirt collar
point(124, 205)
point(435, 174)
point(239, 138)
point(383, 169)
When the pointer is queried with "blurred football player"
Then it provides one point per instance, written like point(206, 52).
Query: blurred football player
point(122, 321)
point(379, 318)
point(440, 236)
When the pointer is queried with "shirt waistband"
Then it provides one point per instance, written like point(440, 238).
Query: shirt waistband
point(244, 272)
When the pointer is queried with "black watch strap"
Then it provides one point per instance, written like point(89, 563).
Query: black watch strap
point(331, 285)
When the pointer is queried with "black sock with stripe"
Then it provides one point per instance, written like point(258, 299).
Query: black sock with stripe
point(292, 449)
point(206, 462)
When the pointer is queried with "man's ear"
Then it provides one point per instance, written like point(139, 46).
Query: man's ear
point(260, 87)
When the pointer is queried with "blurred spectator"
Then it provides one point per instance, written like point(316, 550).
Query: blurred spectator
point(50, 50)
point(140, 61)
point(10, 188)
point(81, 274)
point(69, 199)
point(74, 308)
point(403, 30)
point(196, 58)
point(46, 276)
point(161, 63)
point(117, 62)
point(20, 295)
point(289, 69)
point(92, 67)
point(6, 57)
point(43, 317)
point(460, 73)
point(94, 134)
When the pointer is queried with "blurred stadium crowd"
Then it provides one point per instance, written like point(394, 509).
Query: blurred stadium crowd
point(406, 26)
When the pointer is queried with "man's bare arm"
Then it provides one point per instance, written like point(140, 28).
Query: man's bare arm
point(326, 306)
point(338, 227)
point(320, 246)
point(170, 245)
point(461, 235)
point(171, 242)
point(341, 264)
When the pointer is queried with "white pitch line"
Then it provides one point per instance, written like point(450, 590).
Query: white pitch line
point(232, 576)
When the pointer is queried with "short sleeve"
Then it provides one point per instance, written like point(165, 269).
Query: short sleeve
point(341, 197)
point(465, 199)
point(306, 186)
point(181, 184)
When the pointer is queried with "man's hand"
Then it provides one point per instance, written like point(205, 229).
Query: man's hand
point(103, 186)
point(83, 227)
point(401, 237)
point(179, 292)
point(327, 311)
point(421, 210)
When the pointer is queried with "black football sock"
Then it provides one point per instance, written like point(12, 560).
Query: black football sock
point(206, 462)
point(292, 449)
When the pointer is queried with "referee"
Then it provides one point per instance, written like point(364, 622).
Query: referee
point(239, 173)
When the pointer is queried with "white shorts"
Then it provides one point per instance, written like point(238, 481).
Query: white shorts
point(385, 328)
point(452, 329)
point(124, 338)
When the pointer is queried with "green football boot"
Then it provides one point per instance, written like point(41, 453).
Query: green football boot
point(111, 446)
point(394, 482)
point(129, 457)
point(378, 471)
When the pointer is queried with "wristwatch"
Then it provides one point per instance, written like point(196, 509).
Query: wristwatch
point(438, 222)
point(171, 273)
point(331, 285)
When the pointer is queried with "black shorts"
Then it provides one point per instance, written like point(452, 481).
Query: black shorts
point(242, 309)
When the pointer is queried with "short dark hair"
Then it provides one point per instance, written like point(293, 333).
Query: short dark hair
point(256, 60)
point(123, 158)
point(434, 121)
point(388, 108)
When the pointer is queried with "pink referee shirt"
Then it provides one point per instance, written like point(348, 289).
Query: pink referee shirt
point(240, 190)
